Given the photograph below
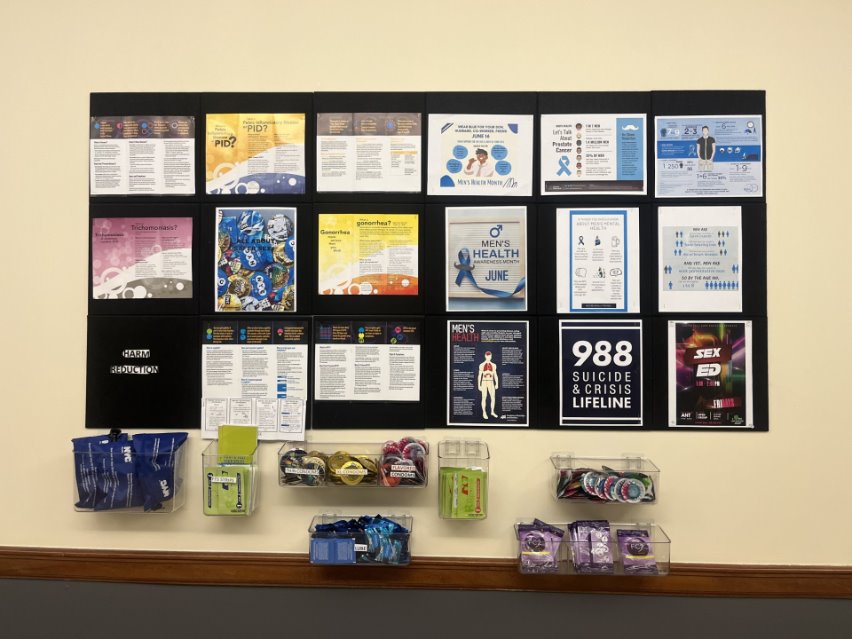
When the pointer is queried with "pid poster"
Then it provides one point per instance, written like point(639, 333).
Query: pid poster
point(255, 373)
point(597, 260)
point(709, 156)
point(256, 260)
point(141, 258)
point(255, 153)
point(700, 259)
point(486, 258)
point(600, 373)
point(488, 376)
point(142, 155)
point(373, 152)
point(593, 154)
point(480, 155)
point(368, 254)
point(710, 374)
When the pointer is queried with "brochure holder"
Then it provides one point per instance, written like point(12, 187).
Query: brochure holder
point(230, 482)
point(347, 540)
point(630, 479)
point(463, 469)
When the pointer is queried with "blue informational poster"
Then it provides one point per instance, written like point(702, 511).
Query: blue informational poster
point(488, 373)
point(709, 156)
point(600, 373)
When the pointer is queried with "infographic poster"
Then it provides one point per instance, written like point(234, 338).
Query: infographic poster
point(367, 360)
point(593, 154)
point(486, 261)
point(710, 374)
point(480, 155)
point(141, 258)
point(700, 259)
point(255, 153)
point(369, 152)
point(709, 156)
point(142, 155)
point(368, 254)
point(255, 373)
point(597, 260)
point(600, 373)
point(256, 259)
point(488, 376)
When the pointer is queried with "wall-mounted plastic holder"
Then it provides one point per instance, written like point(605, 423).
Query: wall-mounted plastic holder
point(463, 470)
point(230, 482)
point(365, 540)
point(594, 547)
point(393, 464)
point(630, 479)
point(116, 474)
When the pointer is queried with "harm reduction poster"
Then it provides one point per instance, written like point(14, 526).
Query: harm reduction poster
point(593, 154)
point(378, 152)
point(141, 258)
point(710, 374)
point(256, 259)
point(255, 373)
point(488, 376)
point(600, 373)
point(255, 153)
point(480, 155)
point(367, 360)
point(709, 156)
point(700, 259)
point(367, 254)
point(486, 258)
point(597, 260)
point(142, 155)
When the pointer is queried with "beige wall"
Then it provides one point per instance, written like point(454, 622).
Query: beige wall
point(780, 497)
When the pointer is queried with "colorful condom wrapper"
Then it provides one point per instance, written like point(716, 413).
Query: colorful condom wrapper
point(87, 463)
point(156, 458)
point(637, 552)
point(539, 546)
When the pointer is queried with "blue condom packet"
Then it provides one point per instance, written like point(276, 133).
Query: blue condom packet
point(156, 458)
point(87, 460)
point(117, 484)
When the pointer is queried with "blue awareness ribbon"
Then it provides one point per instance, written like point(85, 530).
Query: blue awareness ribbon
point(465, 267)
point(563, 166)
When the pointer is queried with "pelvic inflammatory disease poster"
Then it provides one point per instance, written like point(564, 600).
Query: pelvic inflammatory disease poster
point(142, 258)
point(367, 254)
point(486, 258)
point(488, 373)
point(255, 153)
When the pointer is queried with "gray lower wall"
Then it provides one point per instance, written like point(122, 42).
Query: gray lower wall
point(47, 609)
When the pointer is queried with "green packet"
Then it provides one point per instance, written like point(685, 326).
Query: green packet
point(227, 489)
point(464, 493)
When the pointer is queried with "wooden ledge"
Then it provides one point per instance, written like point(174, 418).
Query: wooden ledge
point(269, 569)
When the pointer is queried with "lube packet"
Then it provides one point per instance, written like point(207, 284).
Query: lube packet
point(464, 493)
point(156, 459)
point(637, 552)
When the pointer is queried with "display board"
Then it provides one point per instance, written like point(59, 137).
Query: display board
point(589, 260)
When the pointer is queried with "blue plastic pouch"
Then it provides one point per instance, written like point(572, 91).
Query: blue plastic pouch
point(87, 457)
point(156, 458)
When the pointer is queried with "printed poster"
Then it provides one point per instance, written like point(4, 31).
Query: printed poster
point(597, 260)
point(255, 153)
point(363, 152)
point(368, 254)
point(142, 155)
point(255, 373)
point(488, 373)
point(600, 373)
point(141, 258)
point(700, 259)
point(480, 155)
point(710, 374)
point(593, 154)
point(256, 260)
point(709, 156)
point(486, 258)
point(367, 360)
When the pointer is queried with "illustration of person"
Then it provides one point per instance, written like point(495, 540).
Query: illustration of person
point(706, 147)
point(480, 165)
point(488, 382)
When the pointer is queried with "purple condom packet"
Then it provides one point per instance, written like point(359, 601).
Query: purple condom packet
point(637, 552)
point(539, 546)
point(580, 546)
point(599, 538)
point(88, 452)
point(156, 457)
